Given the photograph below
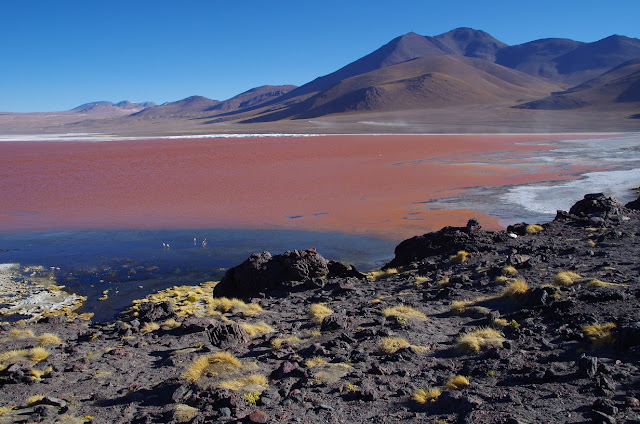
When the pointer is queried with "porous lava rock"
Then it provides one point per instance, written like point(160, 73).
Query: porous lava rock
point(597, 204)
point(262, 272)
point(445, 242)
point(634, 204)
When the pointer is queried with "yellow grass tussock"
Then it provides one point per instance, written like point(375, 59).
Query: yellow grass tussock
point(380, 274)
point(479, 339)
point(184, 413)
point(459, 257)
point(516, 289)
point(280, 342)
point(457, 382)
point(330, 372)
point(257, 328)
point(509, 271)
point(600, 334)
point(404, 312)
point(312, 362)
point(566, 278)
point(150, 327)
point(424, 396)
point(598, 284)
point(393, 344)
point(534, 228)
point(38, 354)
point(319, 311)
point(251, 383)
point(46, 339)
point(211, 365)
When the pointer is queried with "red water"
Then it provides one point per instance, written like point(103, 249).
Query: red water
point(340, 183)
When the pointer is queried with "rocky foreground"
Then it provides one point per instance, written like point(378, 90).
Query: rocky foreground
point(538, 323)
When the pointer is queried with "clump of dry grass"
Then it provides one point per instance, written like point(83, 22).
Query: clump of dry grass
point(250, 383)
point(390, 345)
point(330, 372)
point(380, 274)
point(257, 328)
point(424, 396)
point(38, 354)
point(232, 305)
point(459, 257)
point(171, 323)
point(516, 289)
point(211, 365)
point(18, 334)
point(591, 243)
point(457, 382)
point(534, 228)
point(33, 399)
point(280, 342)
point(184, 413)
point(46, 339)
point(393, 344)
point(566, 278)
point(319, 311)
point(404, 312)
point(149, 327)
point(445, 281)
point(420, 279)
point(315, 361)
point(598, 284)
point(509, 271)
point(479, 339)
point(600, 334)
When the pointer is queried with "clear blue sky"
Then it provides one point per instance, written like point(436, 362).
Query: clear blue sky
point(56, 55)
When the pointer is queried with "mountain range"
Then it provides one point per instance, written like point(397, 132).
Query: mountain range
point(463, 68)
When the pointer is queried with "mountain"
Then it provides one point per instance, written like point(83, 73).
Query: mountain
point(179, 108)
point(569, 61)
point(470, 43)
point(621, 85)
point(106, 107)
point(253, 97)
point(423, 83)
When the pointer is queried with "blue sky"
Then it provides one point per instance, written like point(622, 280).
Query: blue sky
point(56, 55)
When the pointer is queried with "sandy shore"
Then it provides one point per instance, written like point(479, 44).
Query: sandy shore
point(375, 185)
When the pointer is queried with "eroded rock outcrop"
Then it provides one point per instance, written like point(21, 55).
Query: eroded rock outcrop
point(262, 272)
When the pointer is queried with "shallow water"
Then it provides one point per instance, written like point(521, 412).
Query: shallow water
point(133, 264)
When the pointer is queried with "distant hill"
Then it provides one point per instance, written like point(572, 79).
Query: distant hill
point(569, 61)
point(105, 106)
point(179, 108)
point(621, 85)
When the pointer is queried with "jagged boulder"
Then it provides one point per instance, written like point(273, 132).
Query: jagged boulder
point(597, 204)
point(445, 242)
point(634, 204)
point(262, 272)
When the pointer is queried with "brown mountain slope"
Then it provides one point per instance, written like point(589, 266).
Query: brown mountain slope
point(180, 108)
point(617, 88)
point(253, 97)
point(428, 82)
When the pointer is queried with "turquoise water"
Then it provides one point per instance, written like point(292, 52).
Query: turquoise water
point(132, 264)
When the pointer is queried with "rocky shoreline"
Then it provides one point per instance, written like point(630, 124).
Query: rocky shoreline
point(537, 323)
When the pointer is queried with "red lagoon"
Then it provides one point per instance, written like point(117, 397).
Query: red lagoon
point(358, 184)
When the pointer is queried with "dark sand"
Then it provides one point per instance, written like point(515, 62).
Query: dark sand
point(373, 185)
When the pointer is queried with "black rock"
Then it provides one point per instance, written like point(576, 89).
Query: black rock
point(262, 272)
point(226, 335)
point(152, 312)
point(587, 366)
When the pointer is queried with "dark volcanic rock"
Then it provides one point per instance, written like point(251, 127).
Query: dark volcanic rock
point(445, 242)
point(597, 205)
point(263, 272)
point(152, 312)
point(634, 204)
point(225, 335)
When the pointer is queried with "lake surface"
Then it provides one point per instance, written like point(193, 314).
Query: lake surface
point(103, 209)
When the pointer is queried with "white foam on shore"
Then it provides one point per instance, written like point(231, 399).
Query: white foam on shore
point(547, 199)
